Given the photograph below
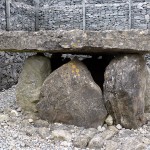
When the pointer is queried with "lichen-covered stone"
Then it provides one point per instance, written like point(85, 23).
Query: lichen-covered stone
point(124, 90)
point(70, 95)
point(128, 41)
point(35, 71)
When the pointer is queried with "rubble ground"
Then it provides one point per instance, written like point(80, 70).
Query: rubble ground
point(21, 131)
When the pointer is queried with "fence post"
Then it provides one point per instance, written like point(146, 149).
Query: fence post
point(36, 15)
point(84, 14)
point(7, 13)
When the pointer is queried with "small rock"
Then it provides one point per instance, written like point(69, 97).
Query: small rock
point(30, 120)
point(61, 135)
point(22, 144)
point(113, 128)
point(119, 127)
point(4, 117)
point(65, 144)
point(44, 132)
point(41, 123)
point(30, 131)
point(109, 120)
point(108, 134)
point(101, 129)
point(145, 140)
point(14, 113)
point(96, 142)
point(19, 109)
point(82, 140)
point(105, 125)
point(111, 145)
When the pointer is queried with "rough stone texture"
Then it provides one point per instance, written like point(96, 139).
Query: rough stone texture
point(71, 18)
point(35, 71)
point(147, 94)
point(10, 68)
point(141, 15)
point(70, 95)
point(2, 15)
point(22, 16)
point(62, 14)
point(124, 90)
point(128, 41)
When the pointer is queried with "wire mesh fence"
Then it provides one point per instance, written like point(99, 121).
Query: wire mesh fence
point(34, 15)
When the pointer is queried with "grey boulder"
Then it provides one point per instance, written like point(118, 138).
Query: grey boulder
point(70, 95)
point(147, 94)
point(124, 90)
point(35, 71)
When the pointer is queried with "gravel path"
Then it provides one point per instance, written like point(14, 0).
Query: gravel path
point(22, 131)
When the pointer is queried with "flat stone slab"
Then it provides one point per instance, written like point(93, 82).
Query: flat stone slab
point(76, 41)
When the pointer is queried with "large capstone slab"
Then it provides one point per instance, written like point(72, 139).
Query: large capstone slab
point(124, 90)
point(76, 41)
point(69, 95)
point(35, 71)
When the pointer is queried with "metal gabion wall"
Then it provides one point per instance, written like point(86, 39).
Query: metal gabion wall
point(34, 15)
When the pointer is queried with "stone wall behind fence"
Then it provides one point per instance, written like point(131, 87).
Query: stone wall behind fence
point(66, 14)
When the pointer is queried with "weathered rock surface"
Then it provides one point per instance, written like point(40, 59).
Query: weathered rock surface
point(97, 141)
point(124, 90)
point(22, 16)
point(2, 15)
point(35, 71)
point(147, 94)
point(131, 41)
point(70, 95)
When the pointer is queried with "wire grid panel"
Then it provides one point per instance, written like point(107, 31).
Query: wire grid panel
point(34, 15)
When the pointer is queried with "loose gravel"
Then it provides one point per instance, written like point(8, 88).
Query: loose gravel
point(22, 131)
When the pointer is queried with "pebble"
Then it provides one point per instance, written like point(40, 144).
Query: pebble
point(14, 113)
point(119, 127)
point(61, 135)
point(101, 129)
point(30, 120)
point(4, 117)
point(109, 120)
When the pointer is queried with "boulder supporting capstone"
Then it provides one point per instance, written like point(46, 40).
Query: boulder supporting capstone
point(35, 71)
point(147, 94)
point(124, 90)
point(70, 95)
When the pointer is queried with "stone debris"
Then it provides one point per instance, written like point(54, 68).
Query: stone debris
point(17, 133)
point(109, 120)
point(63, 135)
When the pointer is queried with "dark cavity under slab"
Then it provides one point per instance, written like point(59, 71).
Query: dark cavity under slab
point(95, 63)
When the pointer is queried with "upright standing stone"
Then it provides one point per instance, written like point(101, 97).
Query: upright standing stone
point(70, 95)
point(124, 90)
point(35, 71)
point(147, 95)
